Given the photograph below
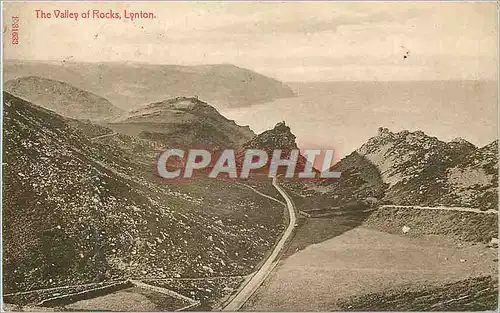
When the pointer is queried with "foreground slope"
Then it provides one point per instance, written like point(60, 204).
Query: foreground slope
point(132, 84)
point(62, 98)
point(75, 211)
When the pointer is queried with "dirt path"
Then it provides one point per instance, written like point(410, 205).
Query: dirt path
point(260, 193)
point(443, 208)
point(104, 136)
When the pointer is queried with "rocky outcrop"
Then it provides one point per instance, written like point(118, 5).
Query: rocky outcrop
point(278, 138)
point(412, 168)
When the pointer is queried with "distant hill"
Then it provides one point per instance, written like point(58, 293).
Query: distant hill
point(129, 85)
point(183, 121)
point(62, 98)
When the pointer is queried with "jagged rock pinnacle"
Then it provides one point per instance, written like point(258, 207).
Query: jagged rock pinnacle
point(383, 131)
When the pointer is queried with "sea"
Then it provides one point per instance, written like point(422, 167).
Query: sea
point(344, 115)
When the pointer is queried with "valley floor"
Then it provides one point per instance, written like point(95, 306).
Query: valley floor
point(361, 261)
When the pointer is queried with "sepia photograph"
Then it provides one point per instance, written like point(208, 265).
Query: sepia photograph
point(254, 156)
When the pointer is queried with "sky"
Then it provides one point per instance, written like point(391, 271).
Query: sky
point(293, 41)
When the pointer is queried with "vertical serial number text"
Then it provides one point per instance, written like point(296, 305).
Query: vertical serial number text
point(15, 30)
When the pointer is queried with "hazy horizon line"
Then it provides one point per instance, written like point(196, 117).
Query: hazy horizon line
point(254, 70)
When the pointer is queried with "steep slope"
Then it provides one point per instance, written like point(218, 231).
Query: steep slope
point(183, 122)
point(62, 98)
point(132, 84)
point(75, 211)
point(474, 181)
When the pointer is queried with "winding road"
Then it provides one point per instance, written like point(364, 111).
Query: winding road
point(258, 277)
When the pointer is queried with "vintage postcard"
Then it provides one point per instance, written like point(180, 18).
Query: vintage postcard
point(249, 156)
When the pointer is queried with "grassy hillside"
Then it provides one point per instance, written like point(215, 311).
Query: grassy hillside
point(461, 226)
point(77, 211)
